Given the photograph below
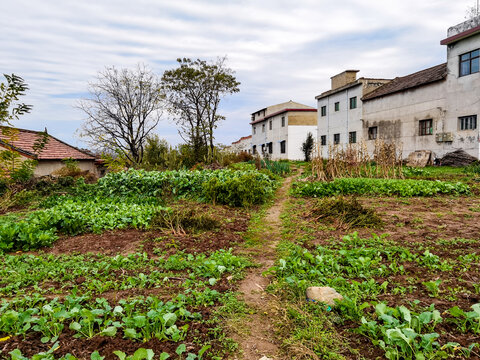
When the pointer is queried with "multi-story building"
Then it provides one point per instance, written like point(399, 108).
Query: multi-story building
point(435, 109)
point(278, 131)
point(244, 144)
point(340, 108)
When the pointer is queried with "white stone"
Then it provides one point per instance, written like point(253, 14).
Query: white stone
point(323, 294)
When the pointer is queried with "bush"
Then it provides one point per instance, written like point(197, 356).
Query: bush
point(244, 190)
point(367, 186)
point(235, 188)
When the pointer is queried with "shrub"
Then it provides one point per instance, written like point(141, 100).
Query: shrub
point(364, 186)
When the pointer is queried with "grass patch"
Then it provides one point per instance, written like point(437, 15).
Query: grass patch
point(348, 211)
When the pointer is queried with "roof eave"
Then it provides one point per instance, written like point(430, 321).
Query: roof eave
point(460, 36)
point(402, 90)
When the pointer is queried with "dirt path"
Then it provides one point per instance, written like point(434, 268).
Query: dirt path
point(260, 342)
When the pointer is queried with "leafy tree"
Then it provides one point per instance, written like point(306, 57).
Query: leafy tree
point(307, 146)
point(124, 107)
point(10, 107)
point(194, 90)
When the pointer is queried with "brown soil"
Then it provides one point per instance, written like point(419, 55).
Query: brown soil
point(233, 222)
point(417, 224)
point(260, 339)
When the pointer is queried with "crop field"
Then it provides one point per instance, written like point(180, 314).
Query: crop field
point(405, 257)
point(136, 266)
point(215, 264)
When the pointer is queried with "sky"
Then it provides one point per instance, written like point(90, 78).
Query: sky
point(280, 50)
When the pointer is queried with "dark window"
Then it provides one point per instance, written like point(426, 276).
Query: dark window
point(270, 147)
point(323, 140)
point(425, 127)
point(283, 121)
point(467, 122)
point(254, 130)
point(352, 137)
point(353, 102)
point(469, 62)
point(263, 148)
point(263, 127)
point(372, 133)
point(337, 106)
point(336, 139)
point(283, 146)
point(254, 149)
point(270, 125)
point(323, 110)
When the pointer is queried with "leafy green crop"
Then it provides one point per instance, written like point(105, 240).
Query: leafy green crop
point(364, 186)
point(235, 188)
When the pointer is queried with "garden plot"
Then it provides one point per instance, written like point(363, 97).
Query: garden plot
point(105, 269)
point(411, 282)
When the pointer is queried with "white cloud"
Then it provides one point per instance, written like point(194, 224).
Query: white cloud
point(280, 49)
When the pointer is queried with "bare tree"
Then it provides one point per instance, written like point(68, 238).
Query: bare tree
point(124, 107)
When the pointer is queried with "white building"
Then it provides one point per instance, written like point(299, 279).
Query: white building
point(340, 109)
point(278, 131)
point(244, 144)
point(435, 109)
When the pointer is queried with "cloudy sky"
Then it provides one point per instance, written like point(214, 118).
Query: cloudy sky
point(280, 50)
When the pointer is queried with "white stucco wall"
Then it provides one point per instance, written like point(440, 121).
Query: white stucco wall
point(297, 134)
point(341, 122)
point(277, 134)
point(463, 96)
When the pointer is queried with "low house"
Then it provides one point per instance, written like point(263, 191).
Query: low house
point(278, 131)
point(24, 142)
point(244, 144)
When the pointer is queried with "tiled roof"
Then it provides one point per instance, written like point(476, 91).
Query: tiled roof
point(281, 112)
point(55, 149)
point(242, 138)
point(411, 81)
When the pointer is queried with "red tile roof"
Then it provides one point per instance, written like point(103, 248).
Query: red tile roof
point(420, 78)
point(55, 149)
point(242, 138)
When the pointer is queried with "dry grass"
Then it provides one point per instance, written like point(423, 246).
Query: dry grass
point(354, 160)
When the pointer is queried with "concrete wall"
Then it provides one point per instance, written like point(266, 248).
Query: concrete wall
point(242, 145)
point(47, 167)
point(297, 125)
point(343, 121)
point(397, 117)
point(463, 97)
point(296, 137)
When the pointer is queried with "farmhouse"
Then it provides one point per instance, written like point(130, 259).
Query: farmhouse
point(50, 157)
point(434, 109)
point(278, 131)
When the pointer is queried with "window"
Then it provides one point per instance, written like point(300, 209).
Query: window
point(336, 139)
point(270, 125)
point(283, 146)
point(372, 133)
point(263, 148)
point(353, 102)
point(467, 122)
point(254, 149)
point(263, 128)
point(337, 106)
point(425, 127)
point(469, 62)
point(352, 137)
point(323, 110)
point(254, 130)
point(283, 121)
point(270, 147)
point(323, 140)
